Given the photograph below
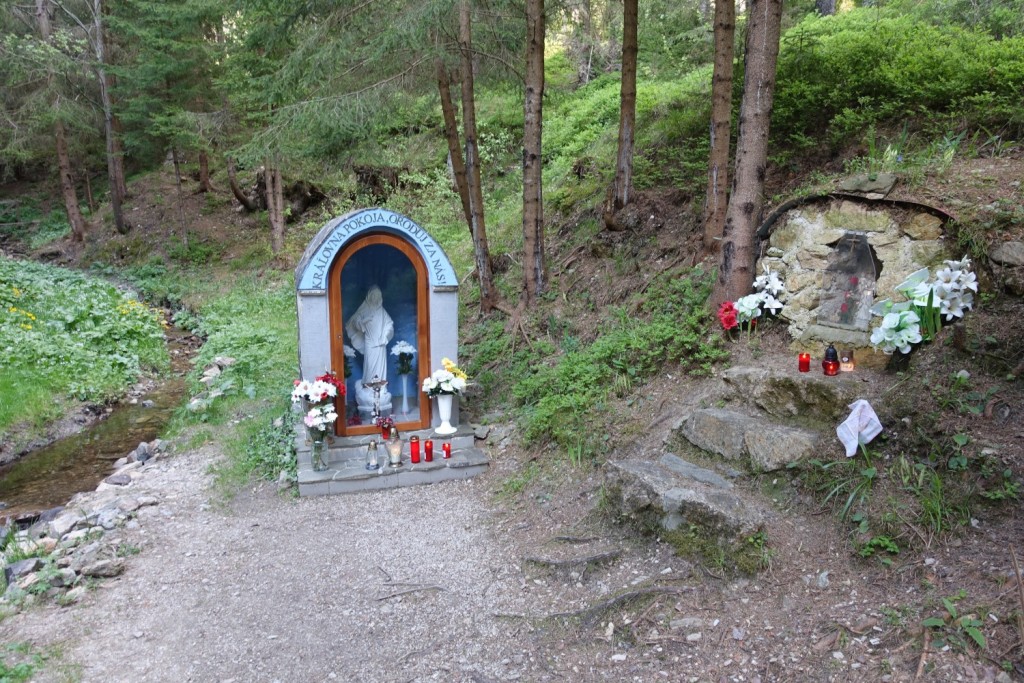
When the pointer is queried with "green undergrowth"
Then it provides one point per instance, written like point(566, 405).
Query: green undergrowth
point(23, 220)
point(908, 494)
point(843, 73)
point(19, 662)
point(244, 406)
point(65, 335)
point(562, 400)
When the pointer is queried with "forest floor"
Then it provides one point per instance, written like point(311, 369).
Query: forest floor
point(435, 583)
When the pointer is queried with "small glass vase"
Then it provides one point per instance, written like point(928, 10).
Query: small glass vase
point(316, 454)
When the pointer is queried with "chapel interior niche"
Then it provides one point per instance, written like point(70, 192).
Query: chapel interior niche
point(848, 283)
point(397, 312)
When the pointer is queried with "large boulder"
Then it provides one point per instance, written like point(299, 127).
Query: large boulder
point(671, 493)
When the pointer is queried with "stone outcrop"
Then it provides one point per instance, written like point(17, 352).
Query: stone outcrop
point(672, 493)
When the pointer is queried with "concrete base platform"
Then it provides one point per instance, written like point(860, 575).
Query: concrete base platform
point(346, 464)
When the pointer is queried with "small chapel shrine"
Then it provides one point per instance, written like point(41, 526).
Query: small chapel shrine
point(377, 306)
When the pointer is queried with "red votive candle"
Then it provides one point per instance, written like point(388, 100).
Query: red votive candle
point(447, 448)
point(830, 367)
point(805, 362)
point(414, 449)
point(428, 450)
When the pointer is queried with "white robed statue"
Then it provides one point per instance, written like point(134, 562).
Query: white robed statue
point(370, 328)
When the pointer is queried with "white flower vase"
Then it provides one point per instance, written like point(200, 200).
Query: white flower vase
point(444, 410)
point(405, 394)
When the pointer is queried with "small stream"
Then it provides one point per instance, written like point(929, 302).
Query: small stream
point(49, 476)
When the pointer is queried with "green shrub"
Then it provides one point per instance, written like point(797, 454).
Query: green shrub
point(846, 72)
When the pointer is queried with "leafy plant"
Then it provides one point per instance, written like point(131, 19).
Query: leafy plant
point(954, 628)
point(66, 334)
point(877, 544)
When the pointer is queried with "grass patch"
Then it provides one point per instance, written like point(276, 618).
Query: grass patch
point(64, 334)
point(559, 401)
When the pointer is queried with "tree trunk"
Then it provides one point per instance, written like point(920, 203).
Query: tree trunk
point(181, 198)
point(204, 172)
point(716, 202)
point(481, 254)
point(534, 270)
point(122, 185)
point(247, 203)
point(88, 193)
point(115, 171)
point(736, 265)
point(451, 133)
point(67, 183)
point(275, 207)
point(622, 186)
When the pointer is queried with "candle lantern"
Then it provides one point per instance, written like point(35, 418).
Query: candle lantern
point(395, 449)
point(428, 450)
point(447, 448)
point(830, 366)
point(846, 363)
point(804, 362)
point(372, 462)
point(414, 449)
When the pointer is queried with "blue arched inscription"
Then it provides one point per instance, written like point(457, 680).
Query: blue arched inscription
point(311, 273)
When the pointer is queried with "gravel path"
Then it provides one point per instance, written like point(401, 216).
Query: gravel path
point(392, 586)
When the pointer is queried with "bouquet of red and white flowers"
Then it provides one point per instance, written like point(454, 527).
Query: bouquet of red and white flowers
point(318, 396)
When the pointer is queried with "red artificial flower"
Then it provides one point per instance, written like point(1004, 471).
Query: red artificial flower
point(330, 378)
point(844, 308)
point(727, 315)
point(854, 280)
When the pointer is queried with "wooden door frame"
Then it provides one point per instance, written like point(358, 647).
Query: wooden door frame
point(337, 331)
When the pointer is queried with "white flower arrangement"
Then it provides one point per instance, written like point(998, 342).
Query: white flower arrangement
point(320, 418)
point(770, 290)
point(748, 307)
point(401, 347)
point(404, 351)
point(447, 380)
point(899, 329)
point(313, 392)
point(949, 295)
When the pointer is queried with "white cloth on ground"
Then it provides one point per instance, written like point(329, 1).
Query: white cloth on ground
point(862, 426)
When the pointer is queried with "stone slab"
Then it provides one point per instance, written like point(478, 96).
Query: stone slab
point(789, 393)
point(681, 467)
point(762, 444)
point(641, 489)
point(716, 431)
point(349, 475)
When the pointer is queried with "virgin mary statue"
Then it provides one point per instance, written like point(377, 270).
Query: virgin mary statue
point(370, 328)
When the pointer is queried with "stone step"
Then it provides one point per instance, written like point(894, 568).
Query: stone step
point(346, 462)
point(788, 393)
point(755, 442)
point(675, 493)
point(347, 447)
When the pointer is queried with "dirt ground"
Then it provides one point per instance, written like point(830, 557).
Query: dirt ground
point(442, 582)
